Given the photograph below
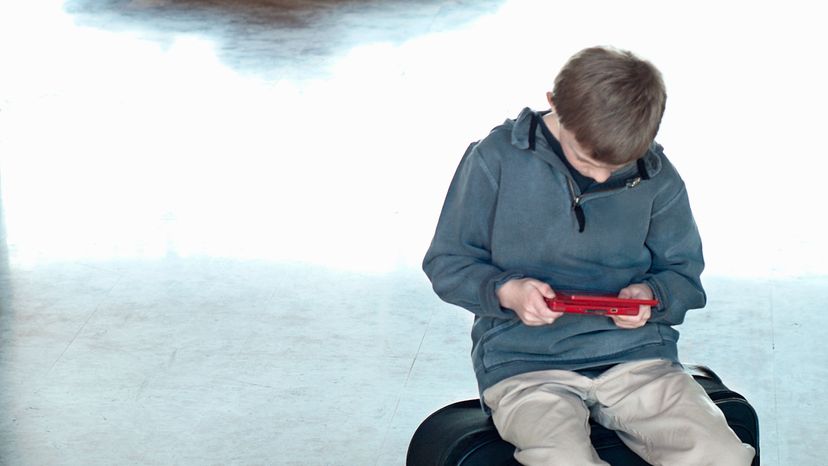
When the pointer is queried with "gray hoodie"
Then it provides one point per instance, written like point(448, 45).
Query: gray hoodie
point(513, 211)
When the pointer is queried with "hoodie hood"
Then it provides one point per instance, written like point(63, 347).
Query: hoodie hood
point(526, 132)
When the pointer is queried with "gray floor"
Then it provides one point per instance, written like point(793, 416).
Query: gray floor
point(211, 219)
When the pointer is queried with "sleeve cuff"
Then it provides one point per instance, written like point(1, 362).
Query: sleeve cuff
point(659, 312)
point(490, 305)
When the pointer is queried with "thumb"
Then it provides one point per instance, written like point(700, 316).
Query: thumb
point(546, 290)
point(626, 293)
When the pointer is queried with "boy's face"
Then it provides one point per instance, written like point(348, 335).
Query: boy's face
point(581, 159)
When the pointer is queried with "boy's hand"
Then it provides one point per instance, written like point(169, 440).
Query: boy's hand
point(526, 296)
point(635, 291)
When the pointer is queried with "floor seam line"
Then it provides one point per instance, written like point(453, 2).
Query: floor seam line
point(83, 326)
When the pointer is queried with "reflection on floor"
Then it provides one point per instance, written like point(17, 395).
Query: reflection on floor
point(211, 221)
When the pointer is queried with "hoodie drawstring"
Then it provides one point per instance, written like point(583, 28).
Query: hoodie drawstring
point(533, 126)
point(579, 214)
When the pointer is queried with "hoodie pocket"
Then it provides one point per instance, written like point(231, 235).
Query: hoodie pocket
point(572, 340)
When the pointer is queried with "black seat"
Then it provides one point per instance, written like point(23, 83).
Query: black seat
point(461, 434)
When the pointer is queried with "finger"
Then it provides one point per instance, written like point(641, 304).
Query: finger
point(628, 322)
point(546, 290)
point(531, 320)
point(531, 317)
point(546, 320)
point(538, 305)
point(645, 312)
point(549, 315)
point(636, 291)
point(619, 320)
point(629, 325)
point(544, 314)
point(540, 315)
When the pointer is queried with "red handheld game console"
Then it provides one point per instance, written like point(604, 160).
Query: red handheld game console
point(584, 303)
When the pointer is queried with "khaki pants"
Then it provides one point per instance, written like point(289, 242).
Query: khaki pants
point(658, 410)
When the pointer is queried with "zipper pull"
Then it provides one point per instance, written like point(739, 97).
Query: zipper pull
point(576, 206)
point(633, 182)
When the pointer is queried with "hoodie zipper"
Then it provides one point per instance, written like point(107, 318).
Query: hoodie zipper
point(576, 204)
point(578, 198)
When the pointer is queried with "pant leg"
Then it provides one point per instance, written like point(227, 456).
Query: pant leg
point(666, 417)
point(543, 414)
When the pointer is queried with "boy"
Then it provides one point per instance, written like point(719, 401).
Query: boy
point(581, 198)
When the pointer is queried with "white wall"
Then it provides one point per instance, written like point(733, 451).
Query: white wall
point(348, 167)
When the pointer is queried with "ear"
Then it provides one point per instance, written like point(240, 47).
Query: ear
point(549, 99)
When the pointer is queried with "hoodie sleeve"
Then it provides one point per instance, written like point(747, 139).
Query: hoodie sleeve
point(677, 260)
point(458, 262)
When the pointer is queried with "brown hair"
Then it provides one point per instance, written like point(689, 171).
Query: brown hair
point(612, 101)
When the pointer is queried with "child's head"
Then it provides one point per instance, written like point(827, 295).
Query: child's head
point(612, 101)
